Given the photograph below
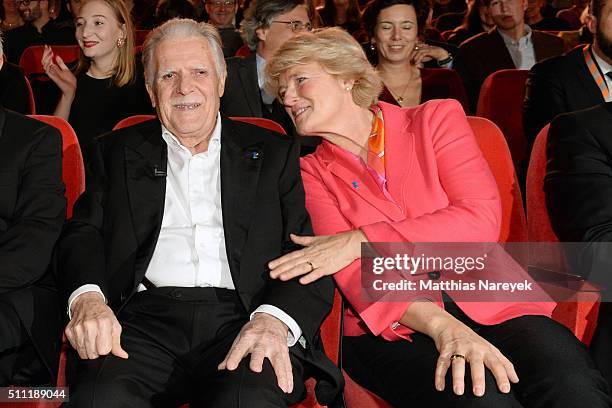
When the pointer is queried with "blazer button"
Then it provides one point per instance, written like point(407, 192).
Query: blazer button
point(433, 275)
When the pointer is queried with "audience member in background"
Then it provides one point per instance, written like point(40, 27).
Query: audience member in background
point(266, 26)
point(395, 27)
point(344, 14)
point(535, 19)
point(107, 84)
point(14, 92)
point(39, 29)
point(169, 9)
point(32, 212)
point(222, 15)
point(386, 174)
point(9, 15)
point(441, 7)
point(512, 45)
point(477, 20)
point(572, 15)
point(578, 188)
point(577, 80)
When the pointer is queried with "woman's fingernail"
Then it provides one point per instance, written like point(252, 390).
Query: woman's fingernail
point(478, 391)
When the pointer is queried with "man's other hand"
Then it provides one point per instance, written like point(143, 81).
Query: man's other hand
point(94, 330)
point(264, 336)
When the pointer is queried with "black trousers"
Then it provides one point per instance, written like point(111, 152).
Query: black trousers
point(553, 367)
point(19, 361)
point(175, 338)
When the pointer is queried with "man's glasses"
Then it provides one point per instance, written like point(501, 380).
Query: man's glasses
point(24, 3)
point(296, 26)
point(219, 4)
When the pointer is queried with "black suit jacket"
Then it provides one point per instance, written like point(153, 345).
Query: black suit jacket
point(116, 224)
point(578, 187)
point(486, 53)
point(558, 85)
point(32, 212)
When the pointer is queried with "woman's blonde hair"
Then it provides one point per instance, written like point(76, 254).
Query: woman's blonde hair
point(337, 52)
point(125, 68)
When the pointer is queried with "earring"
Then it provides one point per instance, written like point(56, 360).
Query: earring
point(372, 47)
point(120, 42)
point(348, 89)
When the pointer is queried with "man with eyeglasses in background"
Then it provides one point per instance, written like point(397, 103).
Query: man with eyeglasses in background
point(39, 29)
point(222, 15)
point(266, 26)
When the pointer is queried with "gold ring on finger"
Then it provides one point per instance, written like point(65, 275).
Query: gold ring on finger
point(457, 356)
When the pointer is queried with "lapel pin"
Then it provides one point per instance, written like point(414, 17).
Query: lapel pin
point(355, 185)
point(253, 155)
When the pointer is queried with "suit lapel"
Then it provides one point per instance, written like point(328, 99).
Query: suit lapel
point(145, 163)
point(241, 163)
point(502, 56)
point(248, 77)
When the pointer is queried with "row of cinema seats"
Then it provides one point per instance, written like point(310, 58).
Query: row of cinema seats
point(578, 314)
point(501, 95)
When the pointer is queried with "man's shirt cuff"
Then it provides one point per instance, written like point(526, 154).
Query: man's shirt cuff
point(80, 291)
point(294, 329)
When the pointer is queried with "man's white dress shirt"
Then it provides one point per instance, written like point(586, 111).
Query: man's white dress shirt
point(190, 250)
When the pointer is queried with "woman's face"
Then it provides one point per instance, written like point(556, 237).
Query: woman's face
point(396, 33)
point(97, 30)
point(312, 97)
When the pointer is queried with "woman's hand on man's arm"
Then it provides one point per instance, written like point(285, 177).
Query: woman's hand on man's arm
point(321, 256)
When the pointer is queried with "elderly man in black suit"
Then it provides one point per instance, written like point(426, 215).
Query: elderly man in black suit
point(511, 45)
point(578, 188)
point(164, 264)
point(32, 212)
point(577, 80)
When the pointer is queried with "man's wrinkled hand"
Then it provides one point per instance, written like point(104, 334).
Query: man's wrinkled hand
point(264, 336)
point(94, 330)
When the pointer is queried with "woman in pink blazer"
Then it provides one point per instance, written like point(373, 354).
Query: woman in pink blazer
point(415, 175)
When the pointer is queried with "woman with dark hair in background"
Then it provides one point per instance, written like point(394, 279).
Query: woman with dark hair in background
point(395, 27)
point(107, 84)
point(477, 20)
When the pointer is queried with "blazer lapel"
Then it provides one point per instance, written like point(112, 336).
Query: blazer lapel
point(358, 179)
point(145, 163)
point(501, 57)
point(240, 170)
point(248, 77)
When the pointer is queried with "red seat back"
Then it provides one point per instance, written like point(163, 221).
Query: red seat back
point(243, 51)
point(31, 58)
point(73, 170)
point(495, 150)
point(132, 120)
point(501, 100)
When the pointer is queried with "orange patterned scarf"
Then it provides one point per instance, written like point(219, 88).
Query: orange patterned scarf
point(376, 142)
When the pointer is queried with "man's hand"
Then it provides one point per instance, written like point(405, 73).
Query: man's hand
point(94, 330)
point(264, 336)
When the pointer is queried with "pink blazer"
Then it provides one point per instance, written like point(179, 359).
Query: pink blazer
point(443, 192)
